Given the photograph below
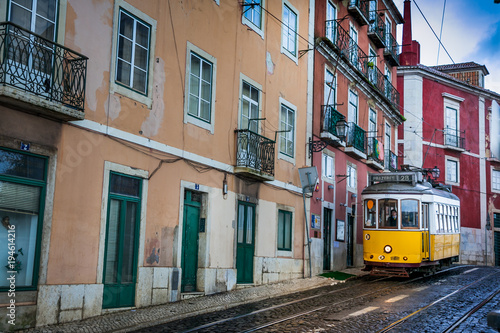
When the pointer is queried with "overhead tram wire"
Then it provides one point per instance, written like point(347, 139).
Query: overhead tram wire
point(439, 40)
point(441, 32)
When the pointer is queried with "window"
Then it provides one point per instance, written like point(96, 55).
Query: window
point(330, 92)
point(353, 46)
point(373, 148)
point(38, 16)
point(409, 214)
point(284, 230)
point(133, 48)
point(372, 66)
point(252, 13)
point(327, 167)
point(249, 107)
point(289, 37)
point(370, 213)
point(388, 33)
point(451, 130)
point(351, 176)
point(452, 172)
point(200, 87)
point(287, 123)
point(132, 52)
point(388, 82)
point(388, 213)
point(387, 145)
point(331, 25)
point(22, 193)
point(495, 180)
point(352, 112)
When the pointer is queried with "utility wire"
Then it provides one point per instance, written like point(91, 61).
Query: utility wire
point(441, 32)
point(439, 40)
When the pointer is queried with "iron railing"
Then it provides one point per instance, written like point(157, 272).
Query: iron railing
point(347, 47)
point(373, 150)
point(376, 29)
point(359, 9)
point(454, 138)
point(254, 151)
point(39, 66)
point(391, 161)
point(330, 118)
point(356, 137)
point(391, 49)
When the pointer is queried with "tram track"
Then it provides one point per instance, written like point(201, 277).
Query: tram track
point(271, 323)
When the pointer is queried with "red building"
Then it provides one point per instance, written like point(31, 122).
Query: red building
point(448, 123)
point(355, 119)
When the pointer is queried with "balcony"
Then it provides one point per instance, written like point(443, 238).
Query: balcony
point(391, 161)
point(454, 139)
point(375, 158)
point(376, 29)
point(359, 10)
point(356, 141)
point(391, 50)
point(39, 76)
point(332, 125)
point(254, 155)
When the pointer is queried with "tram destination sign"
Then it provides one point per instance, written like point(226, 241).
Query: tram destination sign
point(394, 177)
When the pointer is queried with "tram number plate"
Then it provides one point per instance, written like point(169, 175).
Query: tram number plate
point(392, 178)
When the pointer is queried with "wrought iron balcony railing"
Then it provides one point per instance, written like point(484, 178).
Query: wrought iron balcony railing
point(255, 151)
point(330, 119)
point(454, 138)
point(376, 29)
point(356, 137)
point(391, 49)
point(347, 47)
point(373, 150)
point(39, 66)
point(391, 161)
point(359, 10)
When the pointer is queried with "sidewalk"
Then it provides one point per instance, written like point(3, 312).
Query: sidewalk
point(129, 320)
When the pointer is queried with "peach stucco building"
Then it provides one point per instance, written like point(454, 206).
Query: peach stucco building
point(149, 149)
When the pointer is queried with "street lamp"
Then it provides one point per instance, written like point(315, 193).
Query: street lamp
point(435, 172)
point(340, 127)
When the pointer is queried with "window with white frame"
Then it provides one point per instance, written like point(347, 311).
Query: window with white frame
point(388, 33)
point(451, 131)
point(352, 112)
point(289, 32)
point(249, 107)
point(372, 133)
point(327, 168)
point(252, 13)
point(351, 176)
point(330, 91)
point(353, 46)
point(284, 230)
point(287, 128)
point(372, 65)
point(452, 171)
point(495, 180)
point(132, 57)
point(331, 24)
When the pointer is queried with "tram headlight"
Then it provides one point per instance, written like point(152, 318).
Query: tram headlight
point(367, 236)
point(387, 249)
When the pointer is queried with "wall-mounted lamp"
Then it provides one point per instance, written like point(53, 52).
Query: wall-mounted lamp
point(343, 205)
point(319, 199)
point(354, 195)
point(330, 187)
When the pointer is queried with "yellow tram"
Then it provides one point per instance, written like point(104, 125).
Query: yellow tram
point(409, 225)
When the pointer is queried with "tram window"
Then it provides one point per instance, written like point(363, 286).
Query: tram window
point(385, 209)
point(409, 213)
point(370, 213)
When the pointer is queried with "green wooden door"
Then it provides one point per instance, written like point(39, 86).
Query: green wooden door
point(122, 236)
point(245, 242)
point(327, 238)
point(189, 263)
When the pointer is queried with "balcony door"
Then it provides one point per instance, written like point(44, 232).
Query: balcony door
point(249, 120)
point(30, 57)
point(331, 26)
point(451, 133)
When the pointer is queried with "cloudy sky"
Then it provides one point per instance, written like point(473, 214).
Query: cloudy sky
point(471, 32)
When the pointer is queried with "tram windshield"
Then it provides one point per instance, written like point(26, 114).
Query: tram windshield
point(409, 213)
point(388, 214)
point(370, 213)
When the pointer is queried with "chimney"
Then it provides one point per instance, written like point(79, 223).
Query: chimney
point(410, 55)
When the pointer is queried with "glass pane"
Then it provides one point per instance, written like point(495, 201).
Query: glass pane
point(21, 165)
point(409, 213)
point(111, 273)
point(142, 35)
point(126, 25)
point(139, 80)
point(193, 105)
point(255, 95)
point(205, 91)
point(246, 89)
point(281, 230)
point(45, 28)
point(241, 223)
point(128, 247)
point(194, 85)
point(46, 9)
point(25, 3)
point(24, 227)
point(206, 72)
point(123, 72)
point(195, 65)
point(249, 233)
point(124, 185)
point(288, 231)
point(141, 58)
point(388, 213)
point(205, 110)
point(20, 16)
point(370, 213)
point(19, 197)
point(124, 49)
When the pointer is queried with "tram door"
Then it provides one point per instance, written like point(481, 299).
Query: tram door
point(350, 240)
point(425, 231)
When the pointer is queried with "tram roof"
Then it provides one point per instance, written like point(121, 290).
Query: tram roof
point(407, 188)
